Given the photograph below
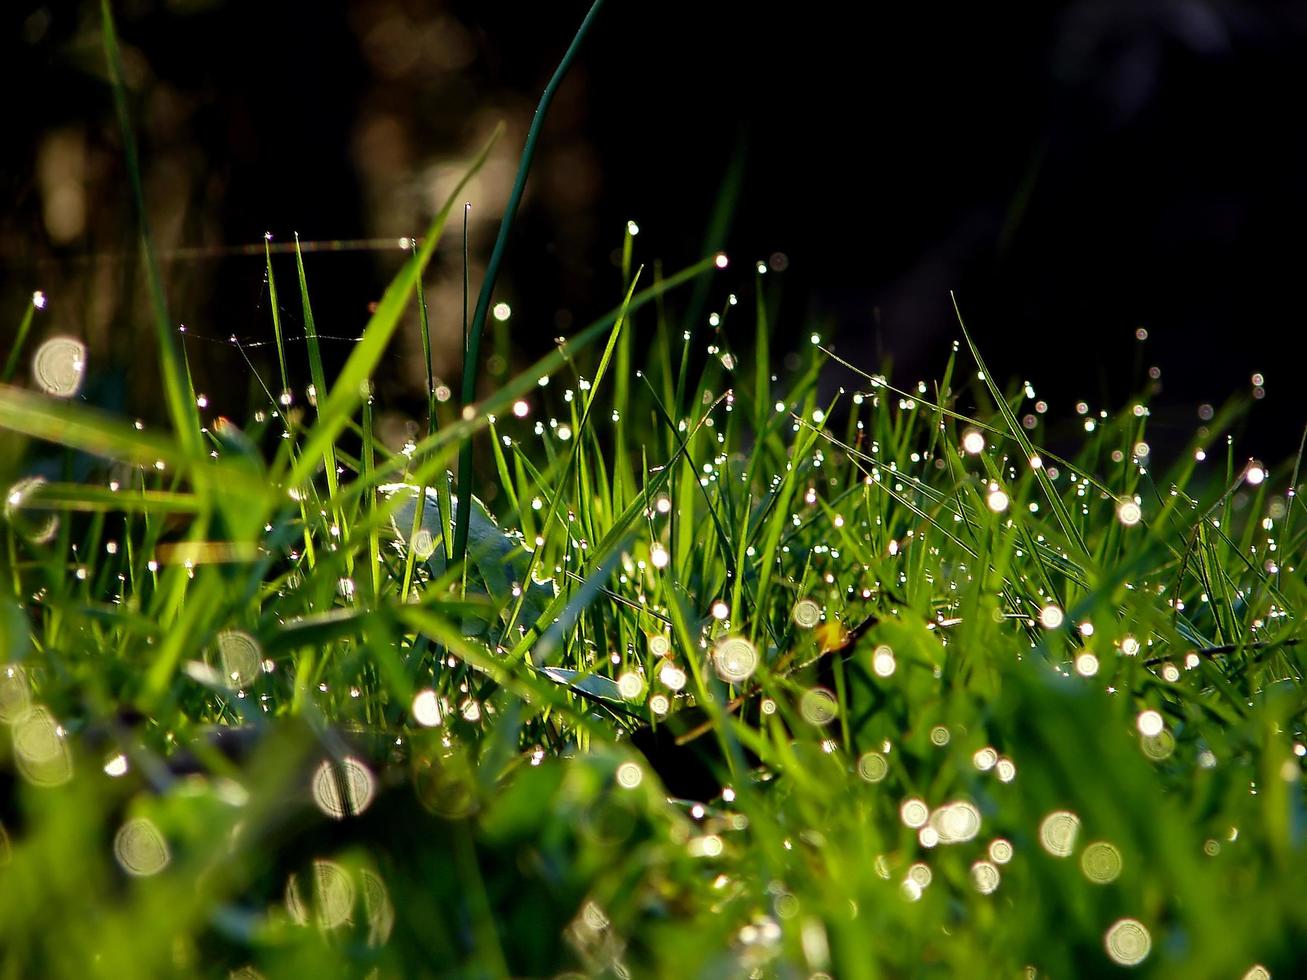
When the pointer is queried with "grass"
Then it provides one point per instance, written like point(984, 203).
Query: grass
point(937, 701)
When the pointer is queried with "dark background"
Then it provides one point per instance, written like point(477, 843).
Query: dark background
point(1074, 171)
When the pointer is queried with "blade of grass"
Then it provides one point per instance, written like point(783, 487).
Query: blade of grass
point(349, 389)
point(472, 348)
point(181, 407)
point(16, 348)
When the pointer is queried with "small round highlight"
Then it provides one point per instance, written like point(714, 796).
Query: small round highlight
point(1149, 723)
point(818, 706)
point(997, 500)
point(630, 686)
point(735, 659)
point(921, 874)
point(1129, 513)
point(332, 896)
point(671, 676)
point(629, 775)
point(335, 894)
point(58, 366)
point(914, 813)
point(426, 708)
point(709, 845)
point(883, 662)
point(973, 442)
point(241, 658)
point(1101, 862)
point(659, 644)
point(873, 767)
point(40, 750)
point(140, 849)
point(1058, 833)
point(1000, 850)
point(1157, 747)
point(659, 557)
point(424, 544)
point(985, 876)
point(38, 529)
point(1051, 617)
point(957, 822)
point(807, 614)
point(343, 789)
point(1128, 942)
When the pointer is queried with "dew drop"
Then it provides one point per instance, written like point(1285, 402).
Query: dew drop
point(58, 366)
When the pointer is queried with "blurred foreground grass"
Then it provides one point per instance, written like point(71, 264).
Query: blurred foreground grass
point(940, 702)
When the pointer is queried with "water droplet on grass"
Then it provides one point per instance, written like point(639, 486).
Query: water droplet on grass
point(1128, 942)
point(140, 848)
point(914, 813)
point(426, 708)
point(1058, 833)
point(629, 775)
point(873, 767)
point(1101, 862)
point(818, 706)
point(241, 658)
point(343, 789)
point(735, 659)
point(42, 754)
point(58, 366)
point(956, 822)
point(807, 613)
point(985, 877)
point(1149, 722)
point(883, 662)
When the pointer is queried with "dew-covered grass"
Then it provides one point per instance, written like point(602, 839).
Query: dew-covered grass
point(740, 676)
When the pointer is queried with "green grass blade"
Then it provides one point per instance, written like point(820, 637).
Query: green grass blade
point(350, 388)
point(472, 348)
point(179, 401)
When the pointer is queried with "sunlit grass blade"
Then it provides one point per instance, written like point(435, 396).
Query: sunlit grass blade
point(20, 338)
point(350, 387)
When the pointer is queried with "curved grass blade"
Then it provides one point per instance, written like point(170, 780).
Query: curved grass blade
point(181, 406)
point(473, 348)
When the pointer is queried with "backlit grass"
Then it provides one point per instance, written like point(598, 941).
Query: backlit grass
point(932, 699)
